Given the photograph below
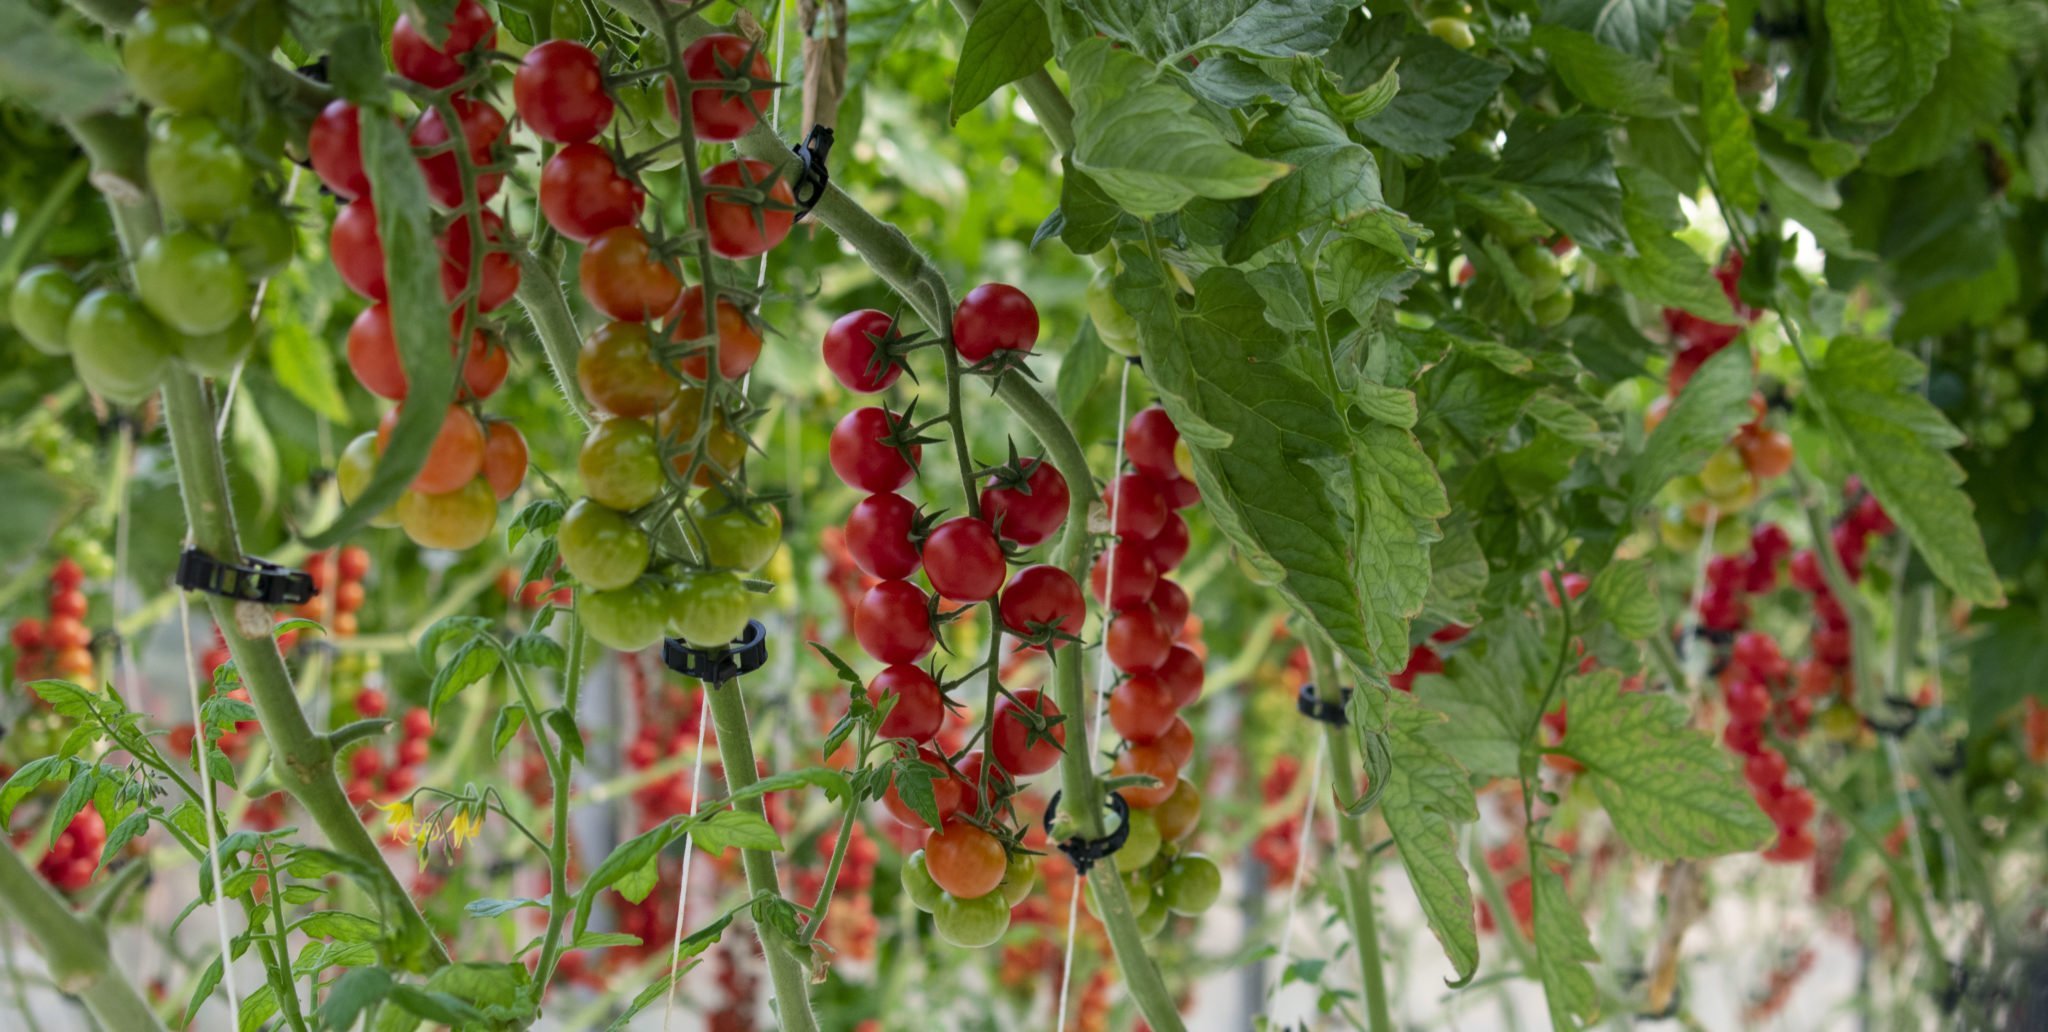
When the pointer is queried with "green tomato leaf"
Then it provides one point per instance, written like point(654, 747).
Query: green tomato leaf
point(1731, 142)
point(1342, 516)
point(1885, 53)
point(1442, 89)
point(1563, 947)
point(1566, 167)
point(1630, 26)
point(1334, 180)
point(1662, 270)
point(1138, 136)
point(1623, 596)
point(1976, 86)
point(1484, 691)
point(352, 995)
point(1898, 441)
point(727, 829)
point(1605, 77)
point(53, 71)
point(1672, 791)
point(1006, 41)
point(1427, 794)
point(1162, 29)
point(1713, 405)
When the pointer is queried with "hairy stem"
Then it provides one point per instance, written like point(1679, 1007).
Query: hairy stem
point(75, 950)
point(1356, 883)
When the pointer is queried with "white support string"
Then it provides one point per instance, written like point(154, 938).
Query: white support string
point(675, 948)
point(1301, 844)
point(206, 801)
point(1103, 676)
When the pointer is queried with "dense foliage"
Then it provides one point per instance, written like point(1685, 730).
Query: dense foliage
point(1477, 492)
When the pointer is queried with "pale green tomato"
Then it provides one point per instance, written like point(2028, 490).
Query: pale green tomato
point(708, 609)
point(216, 354)
point(352, 475)
point(971, 923)
point(120, 351)
point(1143, 843)
point(627, 619)
point(924, 893)
point(1018, 877)
point(1192, 884)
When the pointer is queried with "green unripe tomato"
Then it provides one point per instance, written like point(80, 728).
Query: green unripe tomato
point(191, 283)
point(2001, 383)
point(621, 464)
point(1731, 535)
point(175, 62)
point(352, 475)
point(1152, 918)
point(262, 240)
point(120, 351)
point(601, 547)
point(2018, 414)
point(195, 170)
point(1676, 532)
point(708, 609)
point(41, 307)
point(1116, 327)
point(2031, 359)
point(971, 923)
point(1018, 877)
point(216, 354)
point(1192, 884)
point(627, 619)
point(733, 537)
point(1142, 844)
point(1552, 310)
point(1687, 489)
point(924, 893)
point(1455, 31)
point(1724, 472)
point(1541, 268)
point(454, 520)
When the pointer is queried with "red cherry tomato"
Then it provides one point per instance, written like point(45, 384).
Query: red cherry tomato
point(994, 317)
point(1042, 596)
point(1170, 601)
point(738, 227)
point(336, 149)
point(454, 459)
point(1141, 708)
point(963, 561)
point(1127, 570)
point(861, 458)
point(1137, 641)
point(1178, 742)
point(469, 28)
point(878, 536)
point(1139, 510)
point(357, 250)
point(1011, 739)
point(373, 353)
point(892, 622)
point(582, 193)
point(920, 708)
point(1182, 674)
point(481, 127)
point(1149, 438)
point(484, 367)
point(1170, 545)
point(965, 860)
point(500, 277)
point(739, 343)
point(1030, 513)
point(721, 115)
point(950, 793)
point(504, 458)
point(1155, 760)
point(850, 350)
point(622, 278)
point(559, 92)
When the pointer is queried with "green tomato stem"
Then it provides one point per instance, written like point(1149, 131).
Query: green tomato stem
point(1355, 885)
point(75, 950)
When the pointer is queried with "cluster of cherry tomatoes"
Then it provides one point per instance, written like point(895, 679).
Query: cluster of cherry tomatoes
point(60, 646)
point(647, 370)
point(474, 462)
point(1829, 664)
point(337, 589)
point(964, 875)
point(1733, 476)
point(371, 774)
point(74, 855)
point(213, 162)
